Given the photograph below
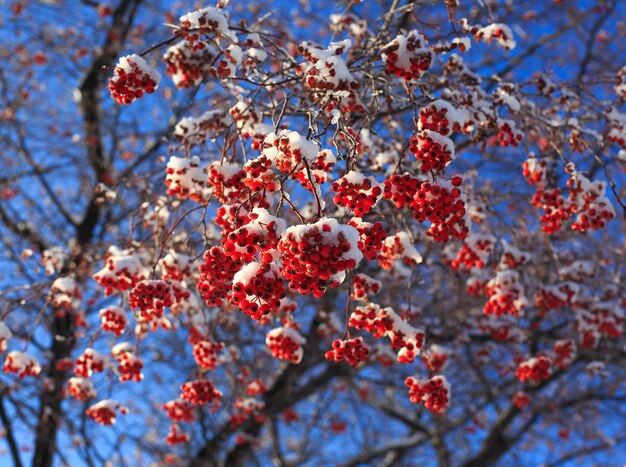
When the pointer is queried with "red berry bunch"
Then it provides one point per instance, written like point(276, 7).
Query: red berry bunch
point(216, 276)
point(364, 287)
point(228, 64)
point(320, 169)
point(407, 56)
point(557, 209)
point(398, 247)
point(21, 364)
point(371, 237)
point(433, 150)
point(434, 393)
point(185, 178)
point(288, 148)
point(326, 70)
point(244, 409)
point(592, 207)
point(81, 389)
point(534, 369)
point(90, 361)
point(200, 392)
point(65, 295)
point(286, 344)
point(474, 252)
point(227, 181)
point(113, 319)
point(132, 77)
point(187, 67)
point(176, 436)
point(506, 294)
point(563, 353)
point(151, 297)
point(318, 256)
point(354, 351)
point(441, 117)
point(104, 412)
point(536, 171)
point(475, 285)
point(401, 189)
point(260, 174)
point(435, 359)
point(509, 135)
point(205, 352)
point(129, 364)
point(357, 192)
point(230, 217)
point(179, 410)
point(121, 272)
point(176, 267)
point(209, 21)
point(195, 131)
point(521, 399)
point(512, 257)
point(258, 289)
point(255, 388)
point(262, 232)
point(442, 204)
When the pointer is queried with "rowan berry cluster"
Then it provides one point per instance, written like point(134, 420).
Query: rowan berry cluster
point(185, 178)
point(434, 393)
point(89, 362)
point(320, 169)
point(129, 364)
point(132, 77)
point(286, 344)
point(122, 271)
point(258, 289)
point(260, 175)
point(442, 118)
point(151, 297)
point(200, 392)
point(209, 21)
point(180, 410)
point(357, 192)
point(436, 358)
point(442, 204)
point(400, 189)
point(176, 436)
point(230, 217)
point(563, 353)
point(534, 369)
point(216, 276)
point(364, 287)
point(227, 181)
point(65, 294)
point(318, 256)
point(188, 67)
point(288, 149)
point(113, 319)
point(407, 56)
point(509, 135)
point(104, 412)
point(474, 252)
point(521, 399)
point(206, 352)
point(371, 237)
point(398, 247)
point(506, 294)
point(353, 351)
point(433, 151)
point(80, 388)
point(244, 409)
point(21, 364)
point(261, 233)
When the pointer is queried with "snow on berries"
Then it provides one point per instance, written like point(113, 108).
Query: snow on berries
point(398, 248)
point(436, 358)
point(180, 410)
point(442, 118)
point(105, 411)
point(357, 192)
point(65, 294)
point(563, 353)
point(534, 369)
point(405, 339)
point(371, 237)
point(288, 149)
point(365, 287)
point(432, 150)
point(129, 364)
point(353, 351)
point(496, 32)
point(90, 361)
point(434, 393)
point(113, 319)
point(209, 21)
point(407, 56)
point(21, 364)
point(206, 353)
point(258, 289)
point(261, 233)
point(317, 256)
point(81, 389)
point(188, 67)
point(506, 294)
point(475, 252)
point(227, 181)
point(122, 271)
point(5, 336)
point(132, 78)
point(246, 408)
point(592, 208)
point(400, 189)
point(200, 392)
point(195, 131)
point(176, 436)
point(185, 178)
point(286, 344)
